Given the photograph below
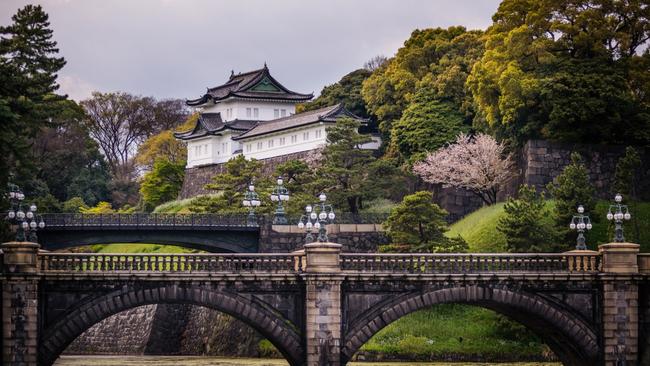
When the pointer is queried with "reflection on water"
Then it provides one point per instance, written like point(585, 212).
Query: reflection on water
point(220, 361)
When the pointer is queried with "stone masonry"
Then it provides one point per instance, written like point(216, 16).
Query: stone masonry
point(197, 177)
point(319, 307)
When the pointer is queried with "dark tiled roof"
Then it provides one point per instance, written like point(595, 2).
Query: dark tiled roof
point(241, 85)
point(211, 123)
point(328, 114)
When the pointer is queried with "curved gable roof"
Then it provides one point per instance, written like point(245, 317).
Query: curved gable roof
point(244, 85)
point(211, 124)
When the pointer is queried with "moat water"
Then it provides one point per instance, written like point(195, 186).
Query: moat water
point(220, 361)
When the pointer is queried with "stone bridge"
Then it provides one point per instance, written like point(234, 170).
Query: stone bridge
point(207, 232)
point(318, 306)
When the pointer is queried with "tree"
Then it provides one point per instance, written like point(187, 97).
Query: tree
point(120, 122)
point(476, 163)
point(162, 183)
point(74, 205)
point(28, 72)
point(568, 71)
point(628, 174)
point(418, 225)
point(570, 189)
point(66, 159)
point(375, 63)
point(346, 91)
point(628, 183)
point(101, 208)
point(525, 223)
point(164, 145)
point(344, 168)
point(437, 59)
point(230, 186)
point(427, 124)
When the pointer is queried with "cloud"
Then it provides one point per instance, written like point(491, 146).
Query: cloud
point(75, 87)
point(174, 48)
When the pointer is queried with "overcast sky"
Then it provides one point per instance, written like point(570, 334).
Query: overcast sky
point(177, 48)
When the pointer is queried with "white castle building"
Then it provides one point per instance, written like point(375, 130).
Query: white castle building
point(254, 115)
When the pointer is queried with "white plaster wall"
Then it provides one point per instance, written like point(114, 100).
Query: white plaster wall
point(211, 150)
point(251, 149)
point(265, 109)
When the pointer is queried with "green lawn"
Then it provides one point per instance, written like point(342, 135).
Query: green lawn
point(454, 331)
point(479, 228)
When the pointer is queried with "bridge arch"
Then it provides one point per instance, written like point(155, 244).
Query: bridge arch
point(281, 332)
point(571, 338)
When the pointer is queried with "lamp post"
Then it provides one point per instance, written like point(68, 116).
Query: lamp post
point(280, 194)
point(316, 217)
point(580, 222)
point(618, 213)
point(23, 217)
point(251, 200)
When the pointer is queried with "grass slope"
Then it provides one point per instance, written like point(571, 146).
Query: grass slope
point(453, 331)
point(479, 230)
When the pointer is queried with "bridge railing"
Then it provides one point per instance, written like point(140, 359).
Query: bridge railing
point(147, 220)
point(147, 263)
point(470, 263)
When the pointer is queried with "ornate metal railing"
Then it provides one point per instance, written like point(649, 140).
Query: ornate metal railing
point(148, 220)
point(470, 263)
point(130, 263)
point(144, 220)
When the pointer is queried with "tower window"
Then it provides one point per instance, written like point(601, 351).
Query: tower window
point(248, 112)
point(256, 112)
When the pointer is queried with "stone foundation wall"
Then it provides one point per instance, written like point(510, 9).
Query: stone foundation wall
point(541, 161)
point(197, 177)
point(169, 329)
point(125, 333)
point(283, 242)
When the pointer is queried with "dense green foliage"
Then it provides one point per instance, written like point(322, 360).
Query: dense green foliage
point(28, 71)
point(573, 72)
point(162, 183)
point(523, 224)
point(435, 62)
point(346, 91)
point(571, 189)
point(230, 186)
point(418, 225)
point(427, 124)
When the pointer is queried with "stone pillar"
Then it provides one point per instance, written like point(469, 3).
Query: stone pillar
point(323, 304)
point(620, 303)
point(20, 304)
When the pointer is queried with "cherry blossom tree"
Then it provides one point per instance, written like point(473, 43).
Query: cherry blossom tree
point(477, 163)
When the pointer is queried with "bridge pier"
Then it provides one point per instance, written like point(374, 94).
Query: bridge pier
point(620, 303)
point(20, 304)
point(323, 304)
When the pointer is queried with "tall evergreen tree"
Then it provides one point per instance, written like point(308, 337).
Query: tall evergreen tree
point(525, 223)
point(28, 72)
point(570, 189)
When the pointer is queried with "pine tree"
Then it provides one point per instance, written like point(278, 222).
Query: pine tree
point(418, 225)
point(627, 182)
point(28, 67)
point(345, 164)
point(524, 223)
point(570, 189)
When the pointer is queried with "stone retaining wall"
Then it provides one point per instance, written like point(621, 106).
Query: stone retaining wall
point(197, 177)
point(361, 238)
point(168, 329)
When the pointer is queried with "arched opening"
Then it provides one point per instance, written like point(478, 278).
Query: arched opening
point(283, 334)
point(569, 337)
point(243, 241)
point(168, 330)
